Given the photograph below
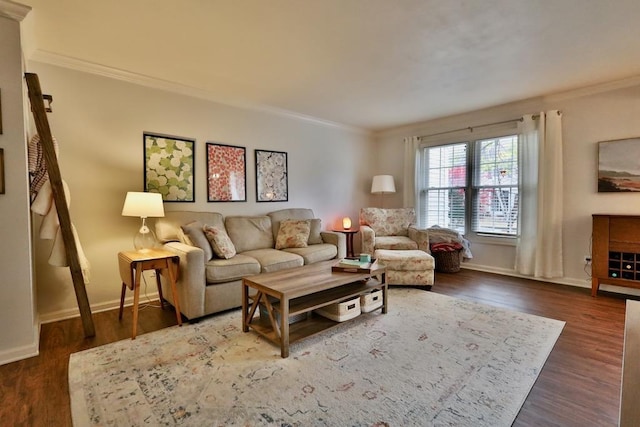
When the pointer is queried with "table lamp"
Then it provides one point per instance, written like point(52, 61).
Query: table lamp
point(143, 205)
point(346, 223)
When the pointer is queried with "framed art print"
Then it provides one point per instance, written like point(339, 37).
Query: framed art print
point(619, 165)
point(226, 173)
point(271, 176)
point(169, 167)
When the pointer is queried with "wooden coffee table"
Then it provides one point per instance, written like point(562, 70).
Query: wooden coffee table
point(301, 290)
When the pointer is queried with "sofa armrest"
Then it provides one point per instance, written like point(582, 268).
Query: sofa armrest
point(337, 239)
point(421, 237)
point(367, 239)
point(191, 280)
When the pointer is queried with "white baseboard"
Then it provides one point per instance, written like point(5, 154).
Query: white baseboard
point(95, 308)
point(24, 352)
point(569, 281)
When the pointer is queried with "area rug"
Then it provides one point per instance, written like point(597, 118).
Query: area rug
point(431, 360)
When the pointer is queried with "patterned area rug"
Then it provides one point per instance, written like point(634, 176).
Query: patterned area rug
point(432, 360)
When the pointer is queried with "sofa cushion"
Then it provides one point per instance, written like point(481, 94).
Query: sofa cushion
point(194, 231)
point(315, 253)
point(315, 238)
point(220, 242)
point(225, 270)
point(292, 213)
point(274, 260)
point(388, 222)
point(167, 227)
point(249, 232)
point(293, 233)
point(183, 238)
point(395, 242)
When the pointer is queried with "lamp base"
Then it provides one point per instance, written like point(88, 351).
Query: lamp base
point(145, 240)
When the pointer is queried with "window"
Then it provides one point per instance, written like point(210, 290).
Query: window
point(472, 186)
point(446, 183)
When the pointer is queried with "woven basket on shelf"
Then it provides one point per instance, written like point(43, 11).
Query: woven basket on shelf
point(447, 261)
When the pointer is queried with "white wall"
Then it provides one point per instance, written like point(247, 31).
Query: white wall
point(99, 123)
point(590, 115)
point(19, 334)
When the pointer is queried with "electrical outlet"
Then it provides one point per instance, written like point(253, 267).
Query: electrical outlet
point(587, 259)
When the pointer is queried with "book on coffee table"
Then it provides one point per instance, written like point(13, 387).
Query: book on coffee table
point(354, 265)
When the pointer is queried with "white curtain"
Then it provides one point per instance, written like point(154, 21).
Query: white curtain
point(539, 250)
point(409, 188)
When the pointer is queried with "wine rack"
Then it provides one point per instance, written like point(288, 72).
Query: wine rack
point(616, 251)
point(624, 265)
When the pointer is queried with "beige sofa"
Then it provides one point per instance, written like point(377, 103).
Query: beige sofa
point(208, 283)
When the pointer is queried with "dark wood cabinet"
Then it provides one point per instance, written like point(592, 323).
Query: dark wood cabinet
point(616, 251)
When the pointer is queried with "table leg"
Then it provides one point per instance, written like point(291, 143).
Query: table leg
point(159, 285)
point(595, 286)
point(254, 306)
point(122, 293)
point(385, 292)
point(136, 300)
point(284, 328)
point(245, 306)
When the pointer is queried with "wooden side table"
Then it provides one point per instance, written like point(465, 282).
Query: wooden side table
point(349, 233)
point(133, 263)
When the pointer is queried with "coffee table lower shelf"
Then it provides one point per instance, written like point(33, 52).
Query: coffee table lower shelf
point(303, 329)
point(281, 332)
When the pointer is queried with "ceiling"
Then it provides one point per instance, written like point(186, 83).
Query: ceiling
point(368, 64)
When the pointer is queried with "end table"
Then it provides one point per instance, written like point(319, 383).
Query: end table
point(133, 263)
point(349, 233)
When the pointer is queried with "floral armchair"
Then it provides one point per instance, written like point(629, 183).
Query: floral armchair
point(392, 229)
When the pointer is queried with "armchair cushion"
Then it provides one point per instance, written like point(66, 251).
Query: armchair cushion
point(388, 222)
point(395, 243)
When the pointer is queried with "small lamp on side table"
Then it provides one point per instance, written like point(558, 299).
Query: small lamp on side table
point(346, 223)
point(143, 205)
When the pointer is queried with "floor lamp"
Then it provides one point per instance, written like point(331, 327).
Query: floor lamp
point(382, 184)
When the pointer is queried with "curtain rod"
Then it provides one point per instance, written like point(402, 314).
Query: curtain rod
point(471, 128)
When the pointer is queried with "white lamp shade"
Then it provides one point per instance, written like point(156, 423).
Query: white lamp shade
point(143, 205)
point(383, 184)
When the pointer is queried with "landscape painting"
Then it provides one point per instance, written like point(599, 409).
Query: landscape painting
point(619, 165)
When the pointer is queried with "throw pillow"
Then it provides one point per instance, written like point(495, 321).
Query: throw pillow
point(220, 241)
point(314, 233)
point(194, 232)
point(293, 233)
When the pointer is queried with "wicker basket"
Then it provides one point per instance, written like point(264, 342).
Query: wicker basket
point(447, 261)
point(339, 312)
point(370, 301)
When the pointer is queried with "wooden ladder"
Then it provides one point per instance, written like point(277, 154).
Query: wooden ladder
point(42, 125)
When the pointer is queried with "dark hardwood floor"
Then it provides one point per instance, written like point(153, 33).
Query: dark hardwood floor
point(578, 386)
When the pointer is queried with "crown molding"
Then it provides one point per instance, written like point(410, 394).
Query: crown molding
point(593, 89)
point(152, 82)
point(12, 10)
